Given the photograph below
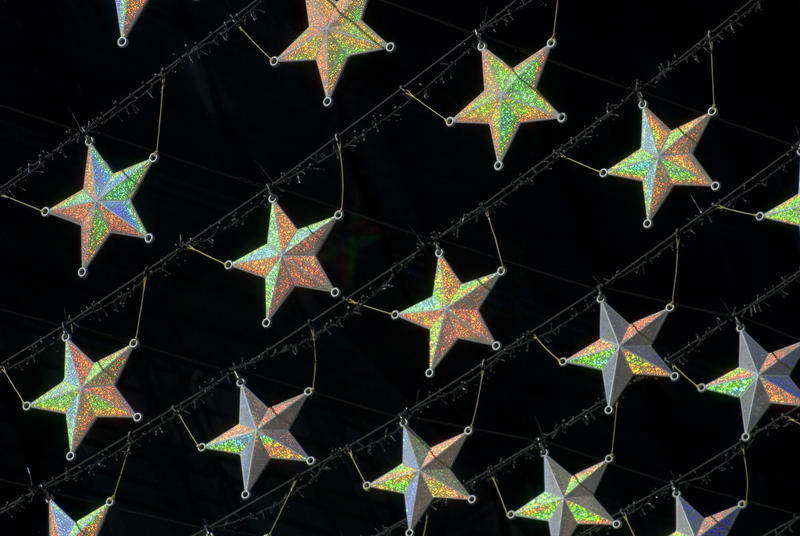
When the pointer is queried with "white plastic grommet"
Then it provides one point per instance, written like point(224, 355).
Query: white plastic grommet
point(273, 61)
point(745, 437)
point(468, 431)
point(603, 172)
point(496, 345)
point(389, 47)
point(715, 186)
point(240, 381)
point(311, 460)
point(501, 271)
point(272, 198)
point(551, 42)
point(562, 361)
point(122, 42)
point(395, 314)
point(481, 46)
point(308, 391)
point(647, 223)
point(759, 216)
point(245, 494)
point(64, 336)
point(335, 292)
point(545, 453)
point(674, 376)
point(82, 271)
point(616, 524)
point(642, 104)
point(45, 212)
point(152, 157)
point(133, 343)
point(712, 111)
point(429, 373)
point(266, 322)
point(137, 417)
point(669, 307)
point(338, 215)
point(148, 238)
point(110, 502)
point(472, 499)
point(608, 410)
point(409, 532)
point(609, 458)
point(510, 514)
point(403, 422)
point(739, 328)
point(701, 387)
point(201, 447)
point(600, 298)
point(498, 165)
point(438, 252)
point(449, 121)
point(228, 265)
point(70, 456)
point(675, 493)
point(366, 485)
point(26, 406)
point(561, 117)
point(88, 141)
point(327, 102)
point(742, 504)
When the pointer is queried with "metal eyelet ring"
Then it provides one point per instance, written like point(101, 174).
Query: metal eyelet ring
point(338, 215)
point(45, 212)
point(148, 238)
point(133, 343)
point(562, 361)
point(122, 42)
point(449, 121)
point(110, 502)
point(712, 111)
point(642, 104)
point(311, 460)
point(389, 47)
point(742, 504)
point(395, 314)
point(603, 172)
point(745, 437)
point(616, 524)
point(609, 458)
point(240, 381)
point(308, 391)
point(674, 376)
point(510, 514)
point(739, 327)
point(498, 165)
point(608, 410)
point(551, 43)
point(82, 271)
point(272, 198)
point(561, 117)
point(409, 532)
point(266, 323)
point(675, 493)
point(201, 447)
point(501, 271)
point(88, 141)
point(366, 485)
point(70, 456)
point(429, 373)
point(669, 307)
point(759, 216)
point(481, 46)
point(468, 431)
point(600, 298)
point(438, 252)
point(327, 102)
point(403, 421)
point(335, 292)
point(64, 336)
point(153, 157)
point(137, 417)
point(496, 345)
point(245, 494)
point(715, 186)
point(26, 406)
point(273, 61)
point(701, 387)
point(545, 453)
point(228, 265)
point(472, 499)
point(647, 223)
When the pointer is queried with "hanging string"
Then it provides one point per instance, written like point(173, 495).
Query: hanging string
point(5, 372)
point(359, 304)
point(407, 92)
point(191, 435)
point(720, 207)
point(494, 236)
point(675, 277)
point(121, 470)
point(555, 19)
point(341, 170)
point(499, 495)
point(353, 459)
point(793, 420)
point(23, 203)
point(546, 349)
point(141, 307)
point(687, 378)
point(314, 344)
point(160, 114)
point(565, 157)
point(204, 254)
point(425, 526)
point(614, 428)
point(713, 87)
point(630, 528)
point(477, 398)
point(271, 59)
point(746, 477)
point(285, 500)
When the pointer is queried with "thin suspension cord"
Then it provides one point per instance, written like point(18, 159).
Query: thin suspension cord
point(477, 399)
point(746, 477)
point(425, 526)
point(5, 372)
point(546, 349)
point(285, 500)
point(630, 528)
point(407, 92)
point(314, 373)
point(191, 435)
point(23, 203)
point(247, 35)
point(499, 495)
point(353, 459)
point(614, 429)
point(141, 307)
point(160, 114)
point(675, 277)
point(565, 157)
point(341, 170)
point(555, 19)
point(713, 86)
point(121, 470)
point(204, 254)
point(366, 306)
point(737, 211)
point(687, 378)
point(494, 236)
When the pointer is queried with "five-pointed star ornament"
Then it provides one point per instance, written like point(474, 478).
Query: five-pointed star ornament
point(689, 522)
point(624, 350)
point(424, 474)
point(568, 500)
point(786, 212)
point(104, 206)
point(261, 435)
point(335, 32)
point(665, 159)
point(288, 259)
point(88, 391)
point(762, 378)
point(128, 12)
point(509, 98)
point(60, 524)
point(451, 313)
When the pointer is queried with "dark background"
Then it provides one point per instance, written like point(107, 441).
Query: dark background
point(228, 113)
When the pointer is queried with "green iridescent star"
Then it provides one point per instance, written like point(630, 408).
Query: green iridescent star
point(786, 212)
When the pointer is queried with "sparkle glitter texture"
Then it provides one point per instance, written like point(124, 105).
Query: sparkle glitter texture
point(60, 524)
point(451, 313)
point(689, 522)
point(128, 12)
point(665, 158)
point(623, 351)
point(786, 212)
point(88, 391)
point(335, 32)
point(568, 500)
point(104, 206)
point(262, 434)
point(761, 379)
point(509, 98)
point(425, 474)
point(288, 259)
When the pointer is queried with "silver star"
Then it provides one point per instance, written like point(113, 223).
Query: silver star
point(689, 522)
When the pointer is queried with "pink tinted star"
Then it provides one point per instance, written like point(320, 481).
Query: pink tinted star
point(689, 522)
point(335, 32)
point(128, 12)
point(451, 313)
point(61, 524)
point(288, 259)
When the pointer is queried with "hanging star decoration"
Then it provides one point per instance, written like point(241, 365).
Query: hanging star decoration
point(335, 32)
point(104, 206)
point(288, 259)
point(88, 391)
point(261, 435)
point(509, 98)
point(761, 379)
point(624, 350)
point(128, 12)
point(60, 524)
point(689, 522)
point(451, 313)
point(568, 500)
point(786, 212)
point(424, 474)
point(665, 159)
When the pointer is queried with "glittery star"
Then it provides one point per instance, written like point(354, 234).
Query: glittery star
point(261, 435)
point(451, 313)
point(128, 12)
point(288, 259)
point(104, 206)
point(509, 98)
point(568, 500)
point(665, 159)
point(425, 474)
point(60, 524)
point(623, 351)
point(689, 522)
point(88, 391)
point(762, 378)
point(786, 212)
point(335, 32)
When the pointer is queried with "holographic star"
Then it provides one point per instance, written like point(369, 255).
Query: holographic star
point(665, 159)
point(128, 12)
point(425, 474)
point(786, 212)
point(104, 206)
point(288, 259)
point(261, 435)
point(88, 391)
point(623, 351)
point(451, 313)
point(509, 98)
point(60, 524)
point(762, 378)
point(335, 32)
point(568, 500)
point(689, 522)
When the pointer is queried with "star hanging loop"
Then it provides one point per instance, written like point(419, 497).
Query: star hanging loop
point(104, 206)
point(452, 312)
point(624, 350)
point(567, 500)
point(261, 435)
point(786, 212)
point(689, 522)
point(509, 98)
point(61, 524)
point(424, 474)
point(761, 379)
point(665, 159)
point(88, 391)
point(335, 32)
point(288, 259)
point(128, 12)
